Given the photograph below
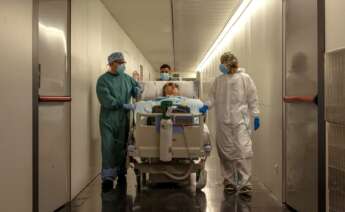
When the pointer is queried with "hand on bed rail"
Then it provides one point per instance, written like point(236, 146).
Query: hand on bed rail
point(129, 106)
point(203, 109)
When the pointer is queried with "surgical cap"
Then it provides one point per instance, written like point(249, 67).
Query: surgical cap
point(229, 59)
point(116, 56)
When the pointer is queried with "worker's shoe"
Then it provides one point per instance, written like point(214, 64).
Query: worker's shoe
point(246, 189)
point(246, 192)
point(107, 185)
point(230, 188)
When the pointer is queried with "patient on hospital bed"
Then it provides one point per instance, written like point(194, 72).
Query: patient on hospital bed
point(155, 93)
point(170, 92)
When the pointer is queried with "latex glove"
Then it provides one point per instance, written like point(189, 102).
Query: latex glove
point(256, 123)
point(129, 106)
point(203, 109)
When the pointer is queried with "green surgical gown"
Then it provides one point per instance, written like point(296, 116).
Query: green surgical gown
point(114, 90)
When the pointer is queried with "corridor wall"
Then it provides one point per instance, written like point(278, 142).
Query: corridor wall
point(334, 103)
point(16, 120)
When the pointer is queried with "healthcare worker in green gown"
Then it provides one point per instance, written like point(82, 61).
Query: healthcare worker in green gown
point(114, 91)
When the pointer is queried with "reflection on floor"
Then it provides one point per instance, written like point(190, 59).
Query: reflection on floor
point(171, 198)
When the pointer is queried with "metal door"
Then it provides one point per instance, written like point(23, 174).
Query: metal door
point(54, 107)
point(301, 53)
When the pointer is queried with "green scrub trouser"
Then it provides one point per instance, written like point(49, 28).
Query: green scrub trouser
point(114, 151)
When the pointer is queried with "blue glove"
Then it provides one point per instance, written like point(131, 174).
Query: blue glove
point(129, 106)
point(256, 123)
point(203, 109)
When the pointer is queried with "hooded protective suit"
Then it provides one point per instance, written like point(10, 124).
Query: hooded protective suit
point(234, 97)
point(113, 91)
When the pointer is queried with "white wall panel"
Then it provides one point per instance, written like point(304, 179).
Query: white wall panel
point(95, 34)
point(335, 30)
point(16, 105)
point(335, 102)
point(258, 43)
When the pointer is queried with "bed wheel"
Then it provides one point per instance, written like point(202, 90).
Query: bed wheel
point(141, 180)
point(138, 183)
point(201, 179)
point(138, 178)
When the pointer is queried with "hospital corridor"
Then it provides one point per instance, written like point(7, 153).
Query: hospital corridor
point(172, 106)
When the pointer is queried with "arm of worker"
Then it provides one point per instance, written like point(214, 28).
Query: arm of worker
point(136, 88)
point(252, 98)
point(253, 102)
point(211, 99)
point(212, 95)
point(105, 98)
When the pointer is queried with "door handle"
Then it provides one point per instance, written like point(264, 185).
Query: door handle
point(55, 99)
point(300, 99)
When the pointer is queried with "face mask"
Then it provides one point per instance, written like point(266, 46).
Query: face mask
point(121, 69)
point(223, 69)
point(164, 76)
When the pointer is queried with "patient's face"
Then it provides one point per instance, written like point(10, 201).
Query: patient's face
point(171, 90)
point(175, 91)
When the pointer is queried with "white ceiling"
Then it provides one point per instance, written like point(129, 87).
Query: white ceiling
point(197, 24)
point(180, 36)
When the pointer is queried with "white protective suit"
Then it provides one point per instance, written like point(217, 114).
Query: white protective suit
point(234, 97)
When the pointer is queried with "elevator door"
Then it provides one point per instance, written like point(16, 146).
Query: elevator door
point(301, 115)
point(54, 106)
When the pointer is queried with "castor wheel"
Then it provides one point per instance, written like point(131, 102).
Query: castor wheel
point(201, 179)
point(141, 180)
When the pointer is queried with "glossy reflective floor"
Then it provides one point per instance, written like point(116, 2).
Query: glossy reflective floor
point(172, 198)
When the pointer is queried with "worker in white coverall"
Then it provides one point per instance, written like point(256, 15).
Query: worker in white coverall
point(234, 97)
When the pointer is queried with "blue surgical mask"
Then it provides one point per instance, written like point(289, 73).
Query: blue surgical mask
point(121, 69)
point(223, 69)
point(164, 76)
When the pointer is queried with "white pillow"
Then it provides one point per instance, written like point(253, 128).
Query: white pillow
point(187, 89)
point(149, 90)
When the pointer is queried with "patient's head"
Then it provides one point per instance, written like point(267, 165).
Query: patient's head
point(171, 89)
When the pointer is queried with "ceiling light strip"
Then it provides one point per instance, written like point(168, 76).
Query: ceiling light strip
point(219, 42)
point(173, 33)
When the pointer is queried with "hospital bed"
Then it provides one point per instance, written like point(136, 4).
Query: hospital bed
point(176, 144)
